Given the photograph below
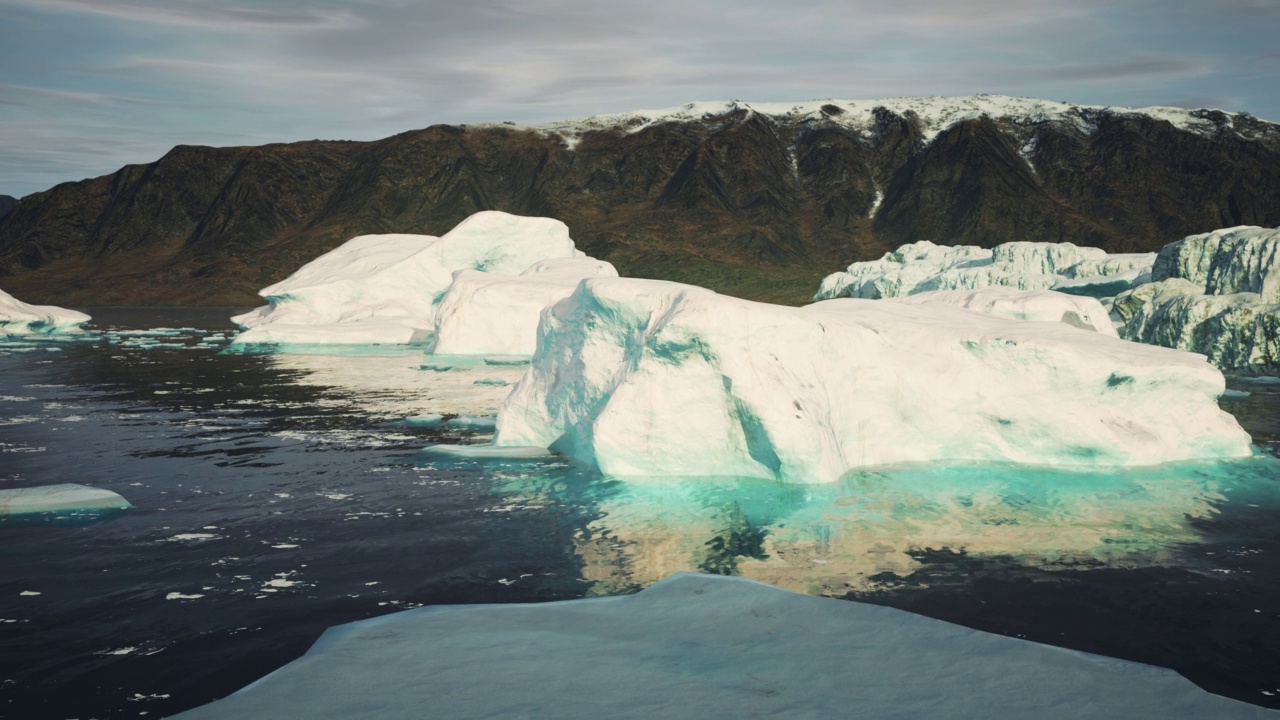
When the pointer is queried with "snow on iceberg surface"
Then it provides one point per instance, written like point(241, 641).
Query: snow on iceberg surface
point(383, 288)
point(1033, 305)
point(19, 318)
point(644, 377)
point(924, 266)
point(706, 647)
point(65, 497)
point(1217, 294)
point(485, 313)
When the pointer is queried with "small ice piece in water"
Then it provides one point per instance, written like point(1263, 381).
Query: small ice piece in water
point(63, 497)
point(486, 452)
point(473, 422)
point(1235, 394)
point(506, 360)
point(180, 596)
point(29, 593)
point(425, 420)
point(498, 382)
point(435, 367)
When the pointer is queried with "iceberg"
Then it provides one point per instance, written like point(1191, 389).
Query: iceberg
point(384, 288)
point(1215, 293)
point(1032, 305)
point(19, 318)
point(484, 313)
point(61, 498)
point(645, 377)
point(924, 266)
point(700, 646)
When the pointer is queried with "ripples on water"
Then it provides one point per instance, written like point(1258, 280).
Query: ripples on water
point(278, 494)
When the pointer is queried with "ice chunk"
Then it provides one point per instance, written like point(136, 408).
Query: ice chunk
point(487, 313)
point(382, 288)
point(425, 420)
point(699, 646)
point(644, 377)
point(485, 452)
point(61, 498)
point(924, 266)
point(19, 318)
point(1215, 293)
point(1036, 305)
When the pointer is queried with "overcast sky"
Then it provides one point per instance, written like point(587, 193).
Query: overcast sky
point(89, 85)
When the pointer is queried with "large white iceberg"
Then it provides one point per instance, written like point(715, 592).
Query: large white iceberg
point(705, 647)
point(1032, 305)
point(1217, 294)
point(383, 288)
point(924, 266)
point(19, 318)
point(485, 313)
point(643, 377)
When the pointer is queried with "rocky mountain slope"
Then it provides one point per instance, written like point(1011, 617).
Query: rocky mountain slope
point(6, 204)
point(755, 200)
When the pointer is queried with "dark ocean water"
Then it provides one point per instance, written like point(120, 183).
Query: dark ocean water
point(277, 495)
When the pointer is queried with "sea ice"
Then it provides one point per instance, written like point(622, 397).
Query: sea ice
point(61, 498)
point(706, 647)
point(383, 288)
point(19, 318)
point(924, 266)
point(1217, 294)
point(644, 377)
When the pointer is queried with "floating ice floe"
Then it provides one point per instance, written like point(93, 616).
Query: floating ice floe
point(700, 646)
point(924, 266)
point(1217, 294)
point(644, 377)
point(62, 498)
point(384, 288)
point(19, 318)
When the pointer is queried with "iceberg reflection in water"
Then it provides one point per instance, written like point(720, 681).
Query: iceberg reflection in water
point(843, 537)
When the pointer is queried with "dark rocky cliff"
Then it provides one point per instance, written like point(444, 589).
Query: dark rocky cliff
point(6, 204)
point(752, 204)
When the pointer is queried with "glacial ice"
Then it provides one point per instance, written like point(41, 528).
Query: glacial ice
point(383, 288)
point(646, 378)
point(60, 498)
point(707, 647)
point(1031, 305)
point(1217, 294)
point(924, 266)
point(485, 313)
point(19, 318)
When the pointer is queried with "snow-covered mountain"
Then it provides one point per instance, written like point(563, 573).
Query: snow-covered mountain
point(757, 200)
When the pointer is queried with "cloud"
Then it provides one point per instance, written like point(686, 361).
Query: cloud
point(204, 14)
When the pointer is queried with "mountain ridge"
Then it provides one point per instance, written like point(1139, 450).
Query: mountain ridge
point(757, 204)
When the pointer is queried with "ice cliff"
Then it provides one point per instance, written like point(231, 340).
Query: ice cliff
point(384, 288)
point(19, 318)
point(1217, 294)
point(923, 266)
point(644, 377)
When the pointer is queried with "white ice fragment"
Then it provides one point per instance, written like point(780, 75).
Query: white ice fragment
point(64, 497)
point(180, 596)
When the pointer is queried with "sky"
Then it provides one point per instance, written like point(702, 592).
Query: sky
point(87, 86)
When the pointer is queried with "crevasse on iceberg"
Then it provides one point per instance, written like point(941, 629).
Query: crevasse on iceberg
point(384, 288)
point(19, 318)
point(642, 377)
point(1217, 294)
point(924, 266)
